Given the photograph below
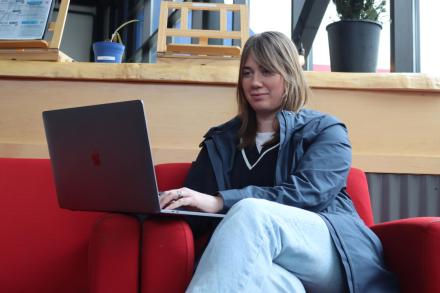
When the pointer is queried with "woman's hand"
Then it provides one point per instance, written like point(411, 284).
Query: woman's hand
point(185, 197)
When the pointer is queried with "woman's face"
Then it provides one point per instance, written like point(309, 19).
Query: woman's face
point(264, 90)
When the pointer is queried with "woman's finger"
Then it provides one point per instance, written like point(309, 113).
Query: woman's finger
point(169, 196)
point(181, 202)
point(166, 197)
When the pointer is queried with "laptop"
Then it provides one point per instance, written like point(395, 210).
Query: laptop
point(101, 159)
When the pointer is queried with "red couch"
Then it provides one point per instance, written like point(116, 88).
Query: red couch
point(46, 249)
point(412, 246)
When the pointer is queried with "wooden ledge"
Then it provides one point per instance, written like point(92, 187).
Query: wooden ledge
point(197, 72)
point(374, 81)
point(125, 72)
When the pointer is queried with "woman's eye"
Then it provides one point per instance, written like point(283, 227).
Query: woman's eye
point(266, 72)
point(246, 73)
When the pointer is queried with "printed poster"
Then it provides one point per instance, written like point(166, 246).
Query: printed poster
point(24, 19)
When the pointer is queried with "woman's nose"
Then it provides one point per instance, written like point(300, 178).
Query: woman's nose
point(256, 80)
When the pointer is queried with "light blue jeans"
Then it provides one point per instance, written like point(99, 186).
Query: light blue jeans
point(262, 246)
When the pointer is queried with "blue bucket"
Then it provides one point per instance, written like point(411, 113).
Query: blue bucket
point(108, 52)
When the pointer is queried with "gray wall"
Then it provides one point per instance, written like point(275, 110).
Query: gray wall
point(78, 32)
point(396, 196)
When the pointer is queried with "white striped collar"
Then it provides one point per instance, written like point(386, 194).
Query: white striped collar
point(250, 167)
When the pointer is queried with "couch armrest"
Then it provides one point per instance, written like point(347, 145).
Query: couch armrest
point(167, 255)
point(412, 252)
point(114, 254)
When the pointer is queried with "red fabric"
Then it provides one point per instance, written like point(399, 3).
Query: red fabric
point(171, 175)
point(357, 188)
point(43, 248)
point(114, 254)
point(412, 251)
point(167, 246)
point(167, 255)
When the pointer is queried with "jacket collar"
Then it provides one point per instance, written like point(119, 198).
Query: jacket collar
point(286, 121)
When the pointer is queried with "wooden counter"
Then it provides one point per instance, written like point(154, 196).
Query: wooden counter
point(393, 119)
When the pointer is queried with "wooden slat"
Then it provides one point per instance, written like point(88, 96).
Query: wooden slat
point(55, 43)
point(223, 20)
point(202, 33)
point(200, 60)
point(184, 18)
point(10, 44)
point(162, 30)
point(51, 26)
point(244, 24)
point(34, 54)
point(203, 41)
point(204, 6)
point(204, 50)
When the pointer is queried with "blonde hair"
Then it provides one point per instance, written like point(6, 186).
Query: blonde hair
point(277, 53)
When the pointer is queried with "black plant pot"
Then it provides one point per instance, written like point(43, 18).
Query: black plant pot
point(354, 45)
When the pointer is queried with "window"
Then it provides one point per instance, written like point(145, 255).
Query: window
point(270, 15)
point(429, 43)
point(320, 51)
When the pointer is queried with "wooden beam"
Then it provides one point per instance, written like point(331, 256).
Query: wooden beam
point(161, 31)
point(202, 33)
point(184, 18)
point(204, 6)
point(223, 20)
point(244, 24)
point(14, 44)
point(60, 22)
point(204, 50)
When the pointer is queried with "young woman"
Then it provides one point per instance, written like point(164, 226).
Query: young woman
point(279, 172)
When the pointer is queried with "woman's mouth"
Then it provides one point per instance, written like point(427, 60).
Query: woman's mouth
point(258, 95)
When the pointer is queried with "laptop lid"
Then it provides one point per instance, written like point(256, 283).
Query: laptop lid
point(101, 158)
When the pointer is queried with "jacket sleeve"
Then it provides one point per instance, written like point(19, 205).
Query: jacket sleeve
point(315, 180)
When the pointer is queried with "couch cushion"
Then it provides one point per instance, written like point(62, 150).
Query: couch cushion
point(167, 255)
point(114, 254)
point(43, 248)
point(411, 248)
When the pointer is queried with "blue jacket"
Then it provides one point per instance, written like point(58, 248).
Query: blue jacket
point(311, 172)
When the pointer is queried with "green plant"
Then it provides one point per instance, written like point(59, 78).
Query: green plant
point(359, 9)
point(116, 37)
